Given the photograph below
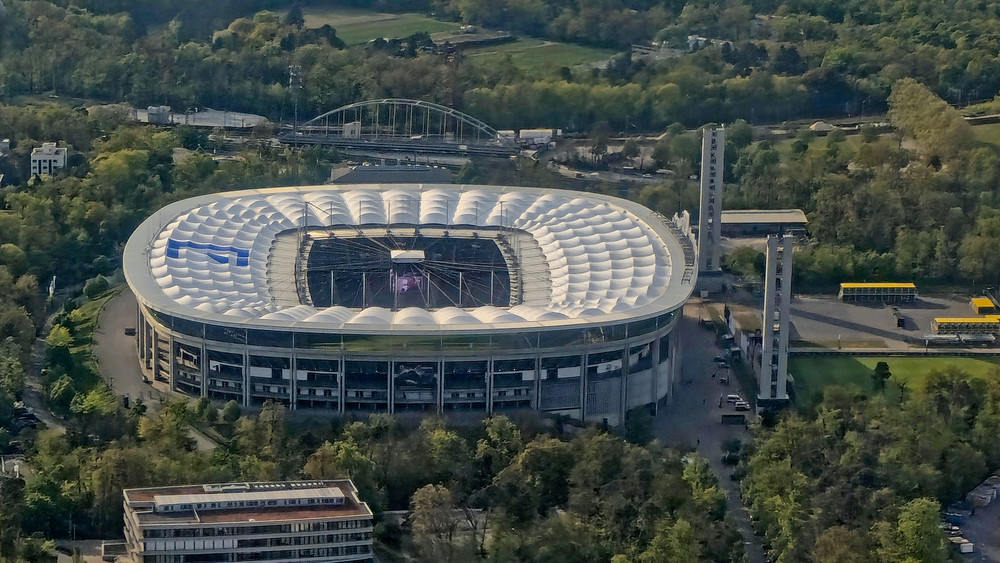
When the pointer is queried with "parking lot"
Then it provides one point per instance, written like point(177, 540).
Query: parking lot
point(826, 321)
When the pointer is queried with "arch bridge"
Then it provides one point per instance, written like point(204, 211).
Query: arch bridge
point(402, 125)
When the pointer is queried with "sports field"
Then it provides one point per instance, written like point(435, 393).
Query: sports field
point(537, 57)
point(356, 26)
point(814, 373)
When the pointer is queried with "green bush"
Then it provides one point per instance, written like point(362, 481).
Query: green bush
point(231, 411)
point(95, 286)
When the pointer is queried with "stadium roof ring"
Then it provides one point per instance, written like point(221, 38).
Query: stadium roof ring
point(413, 297)
point(407, 259)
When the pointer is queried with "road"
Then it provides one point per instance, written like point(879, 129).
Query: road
point(116, 353)
point(693, 418)
point(116, 356)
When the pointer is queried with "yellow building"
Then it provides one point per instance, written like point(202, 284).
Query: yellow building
point(880, 292)
point(983, 305)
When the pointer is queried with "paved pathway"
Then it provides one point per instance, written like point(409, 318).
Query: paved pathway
point(116, 356)
point(694, 416)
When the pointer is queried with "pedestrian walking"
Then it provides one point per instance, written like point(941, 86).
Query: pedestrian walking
point(698, 442)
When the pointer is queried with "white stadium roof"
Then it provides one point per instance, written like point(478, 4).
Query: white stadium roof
point(209, 258)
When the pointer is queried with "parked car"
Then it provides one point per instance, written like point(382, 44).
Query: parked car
point(733, 398)
point(742, 406)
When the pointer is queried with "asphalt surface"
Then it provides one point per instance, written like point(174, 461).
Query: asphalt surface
point(693, 419)
point(116, 353)
point(116, 356)
point(981, 529)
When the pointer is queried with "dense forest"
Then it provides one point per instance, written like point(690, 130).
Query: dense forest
point(766, 61)
point(864, 478)
point(592, 497)
point(920, 203)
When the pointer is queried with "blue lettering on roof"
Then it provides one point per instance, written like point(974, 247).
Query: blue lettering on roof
point(219, 253)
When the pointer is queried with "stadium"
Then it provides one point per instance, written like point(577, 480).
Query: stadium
point(403, 297)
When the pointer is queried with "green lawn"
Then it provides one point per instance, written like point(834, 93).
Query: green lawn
point(816, 146)
point(813, 373)
point(356, 26)
point(537, 57)
point(988, 133)
point(85, 319)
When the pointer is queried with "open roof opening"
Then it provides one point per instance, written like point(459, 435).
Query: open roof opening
point(396, 272)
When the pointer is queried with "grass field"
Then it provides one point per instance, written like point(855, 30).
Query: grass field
point(814, 373)
point(816, 146)
point(988, 133)
point(537, 57)
point(85, 319)
point(358, 26)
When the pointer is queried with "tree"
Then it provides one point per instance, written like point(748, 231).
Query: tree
point(11, 513)
point(638, 426)
point(537, 479)
point(838, 544)
point(497, 449)
point(231, 411)
point(12, 374)
point(294, 17)
point(202, 406)
point(868, 133)
point(661, 154)
point(447, 454)
point(600, 137)
point(935, 125)
point(434, 522)
point(674, 541)
point(211, 414)
point(914, 536)
point(745, 262)
point(340, 460)
point(630, 150)
point(881, 375)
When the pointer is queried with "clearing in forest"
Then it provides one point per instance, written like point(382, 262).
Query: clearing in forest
point(356, 26)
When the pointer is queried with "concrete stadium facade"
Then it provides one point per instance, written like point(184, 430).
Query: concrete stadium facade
point(383, 298)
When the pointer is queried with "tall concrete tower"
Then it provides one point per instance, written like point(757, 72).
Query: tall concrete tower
point(713, 148)
point(772, 381)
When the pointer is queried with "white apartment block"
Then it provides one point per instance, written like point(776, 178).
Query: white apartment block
point(278, 522)
point(47, 158)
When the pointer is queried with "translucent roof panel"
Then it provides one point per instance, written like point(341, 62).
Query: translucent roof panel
point(216, 257)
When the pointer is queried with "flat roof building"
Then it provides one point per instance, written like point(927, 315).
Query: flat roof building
point(762, 222)
point(47, 158)
point(892, 292)
point(990, 324)
point(983, 305)
point(290, 521)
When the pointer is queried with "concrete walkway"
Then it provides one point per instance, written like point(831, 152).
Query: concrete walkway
point(694, 416)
